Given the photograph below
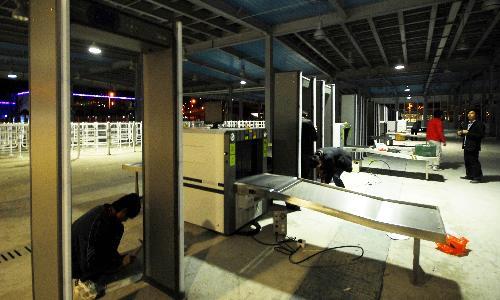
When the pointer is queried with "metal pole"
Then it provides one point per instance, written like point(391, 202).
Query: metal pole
point(108, 137)
point(134, 135)
point(78, 143)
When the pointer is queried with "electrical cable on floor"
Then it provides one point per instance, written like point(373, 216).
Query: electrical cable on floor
point(375, 175)
point(283, 246)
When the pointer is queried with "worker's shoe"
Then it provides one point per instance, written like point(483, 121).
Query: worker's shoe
point(476, 180)
point(84, 290)
point(465, 177)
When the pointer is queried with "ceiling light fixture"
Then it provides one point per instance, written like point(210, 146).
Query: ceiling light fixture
point(399, 65)
point(243, 82)
point(94, 49)
point(407, 89)
point(12, 75)
point(319, 33)
point(21, 11)
point(409, 97)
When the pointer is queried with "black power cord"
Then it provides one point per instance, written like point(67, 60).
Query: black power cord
point(283, 246)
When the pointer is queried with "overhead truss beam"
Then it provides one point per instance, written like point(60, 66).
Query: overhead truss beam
point(308, 44)
point(355, 44)
point(321, 67)
point(347, 60)
point(227, 11)
point(432, 23)
point(377, 39)
point(338, 8)
point(485, 35)
point(402, 31)
point(354, 14)
point(183, 8)
point(455, 7)
point(460, 28)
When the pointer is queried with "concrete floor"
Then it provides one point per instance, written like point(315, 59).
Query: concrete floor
point(236, 267)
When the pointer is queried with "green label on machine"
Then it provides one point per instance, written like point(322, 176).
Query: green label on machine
point(232, 154)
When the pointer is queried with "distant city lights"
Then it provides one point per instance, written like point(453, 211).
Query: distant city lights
point(90, 96)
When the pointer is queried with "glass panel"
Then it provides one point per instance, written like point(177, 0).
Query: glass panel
point(15, 232)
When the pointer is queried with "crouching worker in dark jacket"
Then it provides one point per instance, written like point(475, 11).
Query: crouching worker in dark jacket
point(94, 243)
point(330, 162)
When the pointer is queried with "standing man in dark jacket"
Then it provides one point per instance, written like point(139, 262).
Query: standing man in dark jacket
point(95, 238)
point(471, 144)
point(331, 162)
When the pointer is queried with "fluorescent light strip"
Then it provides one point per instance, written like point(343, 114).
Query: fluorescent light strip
point(7, 103)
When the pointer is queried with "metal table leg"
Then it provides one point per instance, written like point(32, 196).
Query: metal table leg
point(137, 183)
point(418, 273)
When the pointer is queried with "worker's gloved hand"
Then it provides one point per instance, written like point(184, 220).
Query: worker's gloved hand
point(128, 259)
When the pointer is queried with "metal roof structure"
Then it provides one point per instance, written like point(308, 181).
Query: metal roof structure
point(447, 47)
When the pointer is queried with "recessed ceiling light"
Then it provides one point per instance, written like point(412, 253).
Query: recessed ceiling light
point(399, 67)
point(407, 90)
point(94, 49)
point(243, 82)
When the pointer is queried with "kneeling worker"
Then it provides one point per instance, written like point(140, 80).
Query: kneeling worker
point(95, 239)
point(330, 162)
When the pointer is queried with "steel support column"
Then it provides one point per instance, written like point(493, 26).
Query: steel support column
point(50, 154)
point(269, 87)
point(163, 208)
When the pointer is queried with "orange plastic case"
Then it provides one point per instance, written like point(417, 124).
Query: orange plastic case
point(454, 246)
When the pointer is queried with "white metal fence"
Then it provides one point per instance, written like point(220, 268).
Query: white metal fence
point(244, 124)
point(14, 137)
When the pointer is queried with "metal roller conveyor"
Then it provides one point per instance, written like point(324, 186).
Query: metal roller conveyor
point(412, 219)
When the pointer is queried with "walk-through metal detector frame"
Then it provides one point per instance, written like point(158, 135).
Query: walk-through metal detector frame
point(291, 99)
point(50, 172)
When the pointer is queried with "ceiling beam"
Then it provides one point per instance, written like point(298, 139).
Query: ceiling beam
point(224, 91)
point(355, 44)
point(460, 28)
point(485, 35)
point(219, 70)
point(455, 7)
point(361, 12)
point(402, 32)
point(416, 68)
point(338, 8)
point(227, 41)
point(292, 46)
point(347, 60)
point(241, 56)
point(353, 14)
point(303, 40)
point(222, 8)
point(430, 33)
point(377, 39)
point(183, 8)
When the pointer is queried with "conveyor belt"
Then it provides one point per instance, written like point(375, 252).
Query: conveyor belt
point(412, 219)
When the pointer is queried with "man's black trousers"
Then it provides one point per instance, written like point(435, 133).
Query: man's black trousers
point(472, 164)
